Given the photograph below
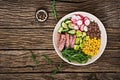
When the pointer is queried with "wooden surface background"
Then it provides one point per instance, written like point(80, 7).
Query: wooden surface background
point(18, 27)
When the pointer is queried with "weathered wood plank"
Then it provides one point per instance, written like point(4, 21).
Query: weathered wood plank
point(42, 38)
point(61, 76)
point(21, 61)
point(16, 14)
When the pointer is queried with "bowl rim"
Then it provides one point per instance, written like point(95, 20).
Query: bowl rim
point(103, 31)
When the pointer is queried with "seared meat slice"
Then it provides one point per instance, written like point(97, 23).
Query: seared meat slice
point(62, 42)
point(73, 41)
point(67, 40)
point(58, 38)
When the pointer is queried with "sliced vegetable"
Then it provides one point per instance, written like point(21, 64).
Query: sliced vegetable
point(72, 32)
point(78, 17)
point(86, 21)
point(60, 30)
point(64, 25)
point(79, 22)
point(81, 27)
point(65, 30)
point(69, 21)
point(76, 27)
point(85, 28)
point(70, 25)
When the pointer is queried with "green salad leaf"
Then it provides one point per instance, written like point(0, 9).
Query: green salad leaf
point(75, 55)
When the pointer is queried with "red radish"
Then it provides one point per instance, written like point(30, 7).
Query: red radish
point(86, 21)
point(74, 21)
point(79, 22)
point(81, 17)
point(78, 18)
point(81, 27)
point(85, 28)
point(76, 27)
point(74, 17)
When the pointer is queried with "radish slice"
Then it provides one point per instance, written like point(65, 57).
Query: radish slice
point(80, 22)
point(74, 17)
point(85, 28)
point(76, 27)
point(81, 27)
point(86, 21)
point(78, 18)
point(73, 20)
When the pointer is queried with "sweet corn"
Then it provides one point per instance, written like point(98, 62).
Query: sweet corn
point(91, 46)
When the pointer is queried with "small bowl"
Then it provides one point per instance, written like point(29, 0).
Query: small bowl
point(41, 15)
point(103, 38)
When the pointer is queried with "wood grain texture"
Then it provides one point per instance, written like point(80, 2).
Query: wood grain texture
point(16, 14)
point(61, 76)
point(21, 61)
point(42, 38)
point(19, 28)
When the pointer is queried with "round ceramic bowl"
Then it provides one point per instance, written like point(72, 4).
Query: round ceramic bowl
point(103, 37)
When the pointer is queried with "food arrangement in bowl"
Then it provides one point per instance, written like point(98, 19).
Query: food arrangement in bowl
point(78, 39)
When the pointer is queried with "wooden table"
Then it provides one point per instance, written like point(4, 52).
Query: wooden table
point(18, 27)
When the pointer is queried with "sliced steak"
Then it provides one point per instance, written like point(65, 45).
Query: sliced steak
point(58, 38)
point(67, 40)
point(62, 42)
point(73, 41)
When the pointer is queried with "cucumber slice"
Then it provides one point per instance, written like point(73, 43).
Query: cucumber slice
point(65, 30)
point(72, 32)
point(68, 19)
point(68, 22)
point(70, 26)
point(64, 25)
point(60, 30)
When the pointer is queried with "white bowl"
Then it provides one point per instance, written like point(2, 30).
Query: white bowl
point(103, 38)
